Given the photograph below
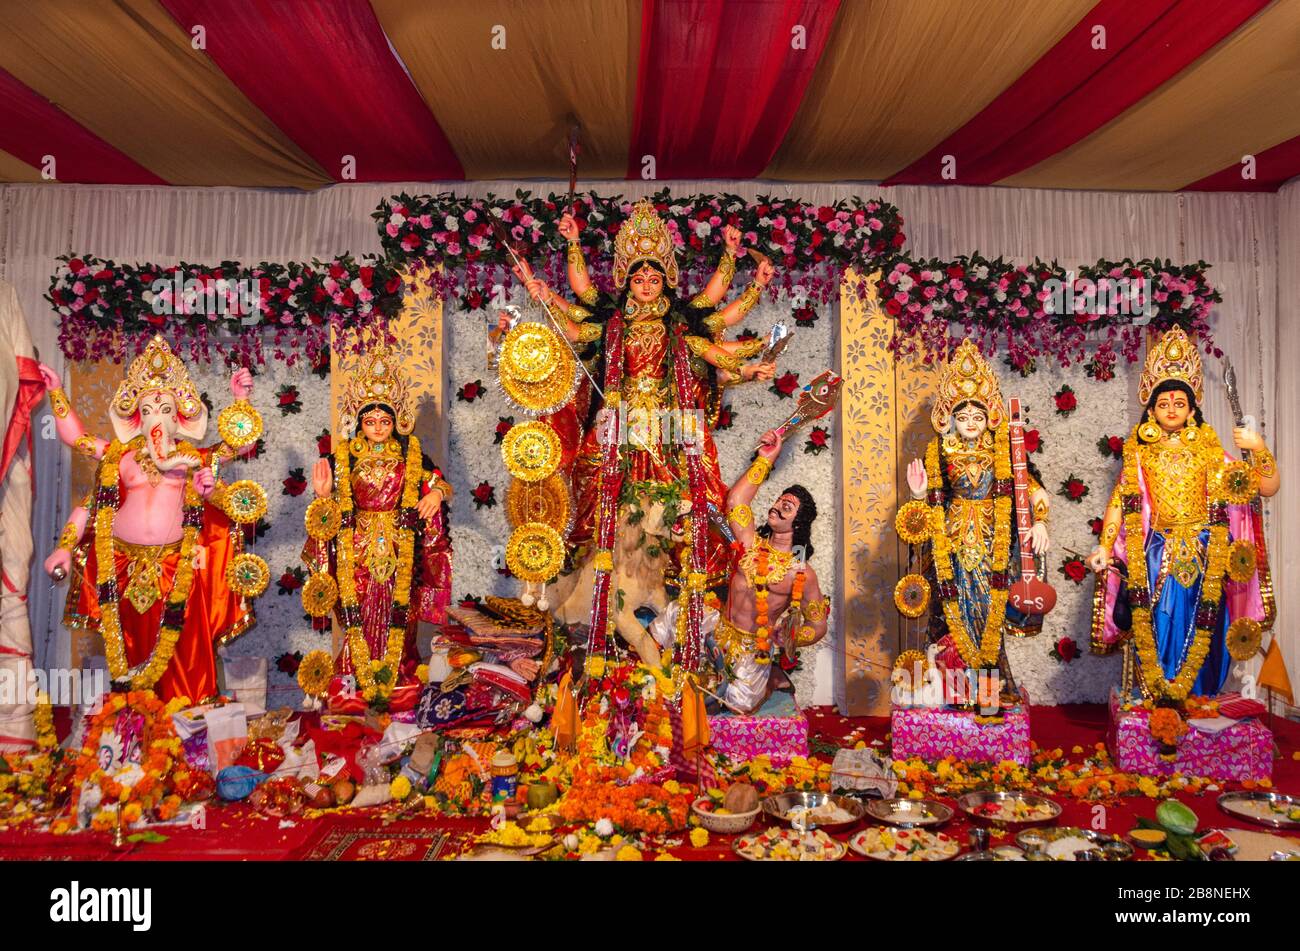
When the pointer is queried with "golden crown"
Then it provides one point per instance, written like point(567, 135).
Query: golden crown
point(157, 369)
point(378, 379)
point(967, 376)
point(1174, 357)
point(644, 237)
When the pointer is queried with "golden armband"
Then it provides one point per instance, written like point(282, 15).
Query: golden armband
point(576, 314)
point(817, 610)
point(85, 444)
point(747, 300)
point(1109, 533)
point(1042, 510)
point(59, 403)
point(1265, 464)
point(69, 538)
point(758, 472)
point(742, 515)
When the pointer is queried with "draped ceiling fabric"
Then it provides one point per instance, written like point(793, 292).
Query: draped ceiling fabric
point(1161, 95)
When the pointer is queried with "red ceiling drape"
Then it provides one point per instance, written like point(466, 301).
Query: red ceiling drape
point(323, 72)
point(719, 82)
point(1075, 89)
point(31, 128)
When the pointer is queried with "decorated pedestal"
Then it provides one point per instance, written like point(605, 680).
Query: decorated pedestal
point(933, 733)
point(742, 738)
point(1240, 752)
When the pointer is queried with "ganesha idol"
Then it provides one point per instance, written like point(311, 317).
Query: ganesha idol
point(156, 549)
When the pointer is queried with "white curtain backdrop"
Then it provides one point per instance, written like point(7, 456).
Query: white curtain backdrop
point(1252, 241)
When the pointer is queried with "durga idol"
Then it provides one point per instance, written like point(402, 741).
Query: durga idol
point(1182, 539)
point(378, 543)
point(658, 358)
point(158, 543)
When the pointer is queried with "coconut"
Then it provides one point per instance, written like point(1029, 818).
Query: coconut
point(742, 797)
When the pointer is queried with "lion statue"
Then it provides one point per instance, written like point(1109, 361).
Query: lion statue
point(641, 556)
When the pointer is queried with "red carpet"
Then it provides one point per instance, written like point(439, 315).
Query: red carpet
point(236, 832)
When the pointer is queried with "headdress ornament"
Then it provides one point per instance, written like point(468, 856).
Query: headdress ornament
point(158, 369)
point(644, 237)
point(1174, 357)
point(967, 377)
point(378, 379)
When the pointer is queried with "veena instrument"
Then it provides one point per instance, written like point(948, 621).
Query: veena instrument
point(1029, 595)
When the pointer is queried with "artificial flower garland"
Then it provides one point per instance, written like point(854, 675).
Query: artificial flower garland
point(985, 653)
point(173, 619)
point(1216, 566)
point(347, 580)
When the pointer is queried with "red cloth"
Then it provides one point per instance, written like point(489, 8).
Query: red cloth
point(1073, 89)
point(323, 72)
point(1273, 167)
point(236, 831)
point(719, 83)
point(32, 127)
point(31, 390)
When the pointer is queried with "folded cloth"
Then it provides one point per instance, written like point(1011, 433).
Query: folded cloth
point(1237, 707)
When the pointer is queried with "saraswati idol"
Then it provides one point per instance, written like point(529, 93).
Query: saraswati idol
point(980, 511)
point(157, 547)
point(378, 543)
point(1182, 554)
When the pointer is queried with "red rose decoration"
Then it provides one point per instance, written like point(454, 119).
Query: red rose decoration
point(1073, 489)
point(726, 418)
point(324, 443)
point(470, 602)
point(288, 663)
point(504, 425)
point(1074, 569)
point(291, 580)
point(1033, 441)
point(805, 316)
point(1066, 403)
point(289, 401)
point(817, 440)
point(485, 495)
point(1095, 525)
point(785, 385)
point(1065, 650)
point(296, 483)
point(470, 391)
point(1111, 446)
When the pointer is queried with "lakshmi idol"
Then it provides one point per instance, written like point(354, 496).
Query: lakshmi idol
point(1182, 538)
point(963, 495)
point(157, 545)
point(663, 361)
point(378, 543)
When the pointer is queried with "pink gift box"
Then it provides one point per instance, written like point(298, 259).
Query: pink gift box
point(743, 738)
point(932, 733)
point(1243, 751)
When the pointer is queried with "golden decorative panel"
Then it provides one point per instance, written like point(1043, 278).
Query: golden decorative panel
point(884, 419)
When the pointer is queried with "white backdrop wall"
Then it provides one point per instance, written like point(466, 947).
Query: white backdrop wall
point(1253, 241)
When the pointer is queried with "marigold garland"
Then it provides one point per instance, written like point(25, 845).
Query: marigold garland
point(110, 623)
point(159, 743)
point(985, 654)
point(347, 580)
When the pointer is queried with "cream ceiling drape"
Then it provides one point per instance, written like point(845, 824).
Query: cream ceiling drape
point(1253, 241)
